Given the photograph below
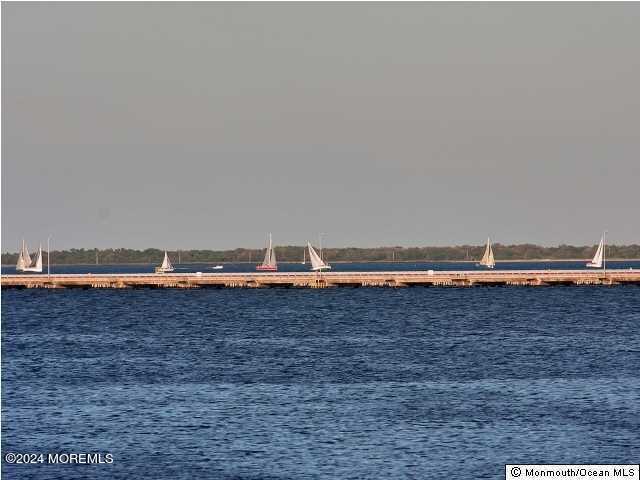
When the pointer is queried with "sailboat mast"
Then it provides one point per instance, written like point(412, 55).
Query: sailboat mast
point(49, 256)
point(604, 250)
point(20, 262)
point(25, 254)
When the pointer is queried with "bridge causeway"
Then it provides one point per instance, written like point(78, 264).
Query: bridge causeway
point(325, 280)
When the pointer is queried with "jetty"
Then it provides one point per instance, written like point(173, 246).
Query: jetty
point(396, 279)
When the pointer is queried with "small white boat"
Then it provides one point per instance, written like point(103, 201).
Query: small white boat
point(487, 259)
point(317, 264)
point(166, 266)
point(599, 257)
point(217, 267)
point(304, 256)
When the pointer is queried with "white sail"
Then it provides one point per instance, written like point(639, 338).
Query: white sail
point(269, 256)
point(20, 264)
point(166, 263)
point(487, 259)
point(26, 258)
point(316, 261)
point(37, 267)
point(598, 257)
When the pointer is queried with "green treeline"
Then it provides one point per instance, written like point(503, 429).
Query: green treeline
point(295, 254)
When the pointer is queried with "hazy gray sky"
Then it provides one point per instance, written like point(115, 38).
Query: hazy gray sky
point(208, 125)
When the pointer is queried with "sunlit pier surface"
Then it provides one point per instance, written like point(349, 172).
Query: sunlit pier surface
point(327, 279)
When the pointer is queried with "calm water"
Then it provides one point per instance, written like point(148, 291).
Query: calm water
point(333, 384)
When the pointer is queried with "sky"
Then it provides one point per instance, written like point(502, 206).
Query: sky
point(205, 125)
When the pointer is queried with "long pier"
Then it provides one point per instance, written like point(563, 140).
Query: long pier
point(325, 280)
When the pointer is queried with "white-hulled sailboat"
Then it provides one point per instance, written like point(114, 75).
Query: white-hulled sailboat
point(269, 263)
point(599, 257)
point(166, 265)
point(317, 264)
point(25, 264)
point(24, 261)
point(487, 259)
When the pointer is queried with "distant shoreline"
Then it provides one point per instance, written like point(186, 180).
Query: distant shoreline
point(347, 255)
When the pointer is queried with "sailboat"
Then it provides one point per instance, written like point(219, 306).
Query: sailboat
point(304, 256)
point(487, 259)
point(598, 258)
point(269, 263)
point(317, 264)
point(166, 265)
point(36, 267)
point(25, 264)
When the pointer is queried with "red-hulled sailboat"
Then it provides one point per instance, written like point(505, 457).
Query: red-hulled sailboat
point(269, 264)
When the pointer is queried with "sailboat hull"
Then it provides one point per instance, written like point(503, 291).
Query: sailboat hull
point(163, 270)
point(267, 268)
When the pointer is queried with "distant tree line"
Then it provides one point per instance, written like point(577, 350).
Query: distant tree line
point(295, 254)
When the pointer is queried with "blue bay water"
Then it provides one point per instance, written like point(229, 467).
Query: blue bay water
point(327, 384)
point(336, 267)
